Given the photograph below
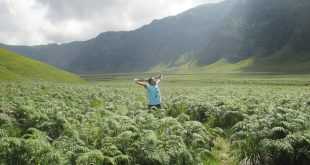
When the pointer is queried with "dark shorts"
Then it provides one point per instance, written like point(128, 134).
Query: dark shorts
point(158, 106)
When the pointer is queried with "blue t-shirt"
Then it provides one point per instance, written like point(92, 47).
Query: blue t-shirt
point(153, 94)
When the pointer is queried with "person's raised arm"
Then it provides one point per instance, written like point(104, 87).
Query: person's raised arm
point(140, 82)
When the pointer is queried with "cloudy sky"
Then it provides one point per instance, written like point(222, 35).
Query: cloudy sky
point(32, 22)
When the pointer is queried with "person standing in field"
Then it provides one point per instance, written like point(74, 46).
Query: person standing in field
point(153, 92)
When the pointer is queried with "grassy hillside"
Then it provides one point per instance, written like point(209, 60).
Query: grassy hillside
point(282, 63)
point(277, 63)
point(190, 65)
point(17, 67)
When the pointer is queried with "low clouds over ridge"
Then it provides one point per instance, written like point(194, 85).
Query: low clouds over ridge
point(34, 22)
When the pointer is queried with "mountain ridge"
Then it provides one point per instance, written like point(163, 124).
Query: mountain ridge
point(233, 30)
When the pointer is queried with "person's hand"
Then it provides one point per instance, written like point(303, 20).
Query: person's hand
point(135, 79)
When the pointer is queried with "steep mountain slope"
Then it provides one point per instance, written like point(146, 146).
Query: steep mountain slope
point(17, 67)
point(138, 50)
point(233, 30)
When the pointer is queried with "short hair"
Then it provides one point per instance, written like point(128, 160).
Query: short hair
point(150, 80)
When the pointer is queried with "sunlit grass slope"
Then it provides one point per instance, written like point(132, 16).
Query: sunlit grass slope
point(220, 66)
point(17, 67)
point(281, 63)
point(224, 66)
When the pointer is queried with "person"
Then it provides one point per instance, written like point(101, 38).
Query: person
point(153, 91)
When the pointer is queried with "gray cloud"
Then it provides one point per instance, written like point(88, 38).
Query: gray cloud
point(80, 9)
point(45, 21)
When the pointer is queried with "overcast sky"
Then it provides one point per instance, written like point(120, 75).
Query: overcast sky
point(32, 22)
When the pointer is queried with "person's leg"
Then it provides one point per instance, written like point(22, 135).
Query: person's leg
point(158, 106)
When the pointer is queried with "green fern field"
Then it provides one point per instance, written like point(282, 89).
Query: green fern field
point(254, 120)
point(17, 67)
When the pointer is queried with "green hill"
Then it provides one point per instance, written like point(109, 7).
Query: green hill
point(17, 67)
point(282, 62)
